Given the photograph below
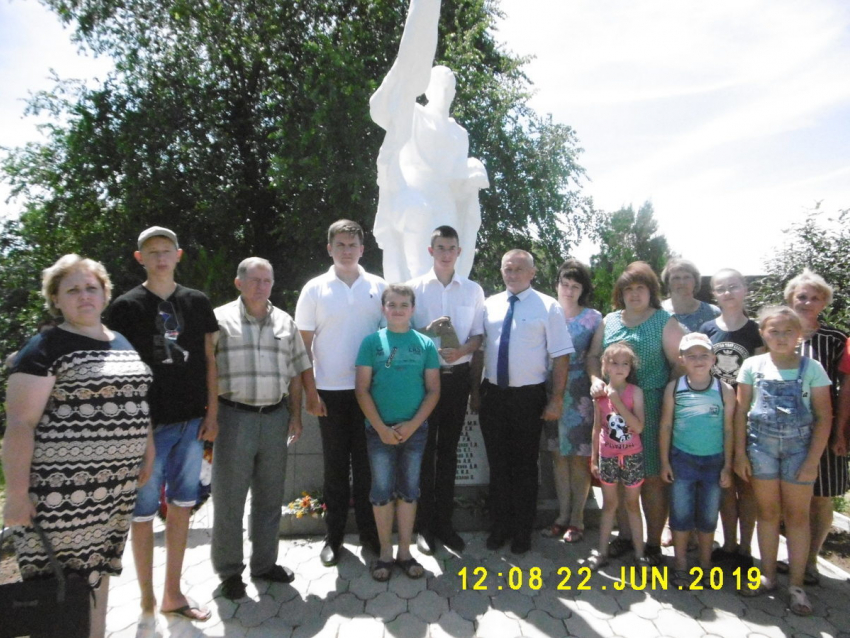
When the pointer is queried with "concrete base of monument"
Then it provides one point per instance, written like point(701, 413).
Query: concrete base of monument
point(469, 515)
point(304, 472)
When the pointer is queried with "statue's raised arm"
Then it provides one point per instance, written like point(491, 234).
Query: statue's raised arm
point(425, 178)
point(409, 76)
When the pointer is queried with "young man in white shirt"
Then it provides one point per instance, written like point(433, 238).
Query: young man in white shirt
point(445, 298)
point(335, 312)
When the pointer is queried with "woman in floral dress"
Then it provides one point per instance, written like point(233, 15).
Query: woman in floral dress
point(569, 439)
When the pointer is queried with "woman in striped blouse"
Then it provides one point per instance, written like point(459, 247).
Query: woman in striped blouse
point(808, 294)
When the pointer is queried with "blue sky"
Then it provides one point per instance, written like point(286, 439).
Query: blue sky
point(731, 116)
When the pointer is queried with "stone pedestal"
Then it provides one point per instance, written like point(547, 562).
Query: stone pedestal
point(304, 473)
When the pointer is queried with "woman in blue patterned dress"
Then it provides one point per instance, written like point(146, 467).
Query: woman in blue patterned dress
point(78, 438)
point(569, 439)
point(682, 281)
point(654, 335)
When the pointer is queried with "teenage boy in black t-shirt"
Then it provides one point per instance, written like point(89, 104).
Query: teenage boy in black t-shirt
point(172, 329)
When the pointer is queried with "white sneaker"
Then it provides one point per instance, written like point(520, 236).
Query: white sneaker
point(148, 627)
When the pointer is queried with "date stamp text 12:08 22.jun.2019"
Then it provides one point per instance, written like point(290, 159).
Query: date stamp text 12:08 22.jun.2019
point(631, 577)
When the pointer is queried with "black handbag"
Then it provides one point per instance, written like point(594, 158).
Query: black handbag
point(55, 606)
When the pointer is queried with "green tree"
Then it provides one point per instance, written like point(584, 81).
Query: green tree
point(244, 126)
point(821, 242)
point(624, 237)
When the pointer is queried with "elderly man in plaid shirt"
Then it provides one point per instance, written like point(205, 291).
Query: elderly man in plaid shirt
point(262, 367)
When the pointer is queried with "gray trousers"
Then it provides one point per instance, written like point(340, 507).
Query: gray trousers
point(250, 452)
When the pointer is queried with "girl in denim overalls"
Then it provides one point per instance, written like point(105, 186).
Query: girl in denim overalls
point(781, 428)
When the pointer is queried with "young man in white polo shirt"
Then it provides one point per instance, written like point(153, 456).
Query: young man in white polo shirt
point(443, 297)
point(523, 329)
point(335, 312)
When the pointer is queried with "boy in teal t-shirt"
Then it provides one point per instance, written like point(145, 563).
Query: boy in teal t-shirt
point(397, 384)
point(696, 445)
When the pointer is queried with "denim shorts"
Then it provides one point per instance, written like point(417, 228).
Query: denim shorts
point(395, 468)
point(695, 494)
point(778, 457)
point(179, 456)
point(626, 469)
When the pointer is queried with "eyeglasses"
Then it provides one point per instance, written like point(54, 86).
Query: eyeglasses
point(732, 289)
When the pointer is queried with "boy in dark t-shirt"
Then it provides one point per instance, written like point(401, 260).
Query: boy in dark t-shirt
point(171, 327)
point(731, 348)
point(169, 334)
point(734, 338)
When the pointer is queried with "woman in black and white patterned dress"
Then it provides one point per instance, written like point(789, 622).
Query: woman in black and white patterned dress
point(809, 295)
point(78, 438)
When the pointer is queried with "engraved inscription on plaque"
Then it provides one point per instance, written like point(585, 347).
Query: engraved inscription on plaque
point(472, 466)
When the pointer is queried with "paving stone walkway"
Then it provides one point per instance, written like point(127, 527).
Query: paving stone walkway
point(344, 601)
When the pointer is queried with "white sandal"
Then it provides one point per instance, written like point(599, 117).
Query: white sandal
point(764, 587)
point(148, 626)
point(596, 561)
point(799, 603)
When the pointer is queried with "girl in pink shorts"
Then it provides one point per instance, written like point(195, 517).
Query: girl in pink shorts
point(617, 453)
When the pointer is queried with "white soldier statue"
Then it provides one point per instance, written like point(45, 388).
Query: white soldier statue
point(425, 178)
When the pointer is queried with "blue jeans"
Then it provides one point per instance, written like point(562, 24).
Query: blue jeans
point(779, 428)
point(395, 468)
point(179, 456)
point(695, 495)
point(778, 457)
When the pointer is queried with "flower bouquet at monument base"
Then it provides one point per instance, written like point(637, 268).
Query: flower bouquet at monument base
point(308, 504)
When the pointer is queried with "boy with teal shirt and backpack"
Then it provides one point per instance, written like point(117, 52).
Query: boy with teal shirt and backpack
point(397, 385)
point(696, 444)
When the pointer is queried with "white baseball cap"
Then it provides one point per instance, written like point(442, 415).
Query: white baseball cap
point(157, 231)
point(694, 340)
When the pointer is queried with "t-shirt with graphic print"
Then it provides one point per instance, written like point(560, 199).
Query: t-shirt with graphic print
point(731, 348)
point(398, 361)
point(615, 438)
point(169, 335)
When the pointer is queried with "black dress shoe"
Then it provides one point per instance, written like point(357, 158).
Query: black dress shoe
point(452, 540)
point(496, 539)
point(426, 543)
point(329, 555)
point(233, 588)
point(277, 574)
point(371, 543)
point(521, 544)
